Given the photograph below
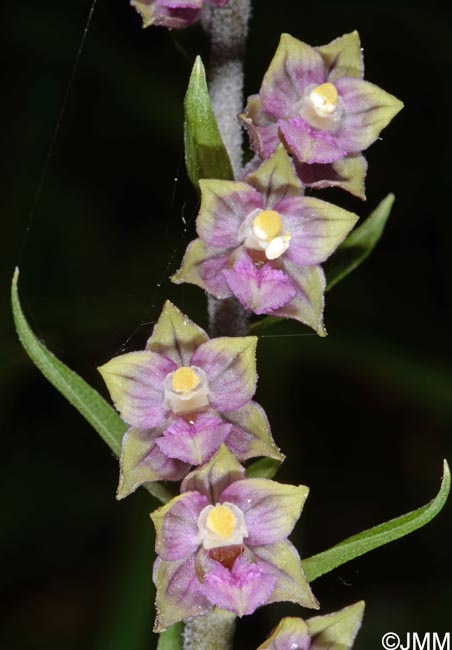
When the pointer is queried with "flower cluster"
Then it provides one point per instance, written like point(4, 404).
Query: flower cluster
point(315, 101)
point(188, 400)
point(223, 542)
point(174, 14)
point(263, 241)
point(183, 397)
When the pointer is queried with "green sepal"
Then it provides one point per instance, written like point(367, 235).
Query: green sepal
point(288, 628)
point(343, 57)
point(212, 478)
point(309, 308)
point(350, 175)
point(102, 417)
point(252, 419)
point(171, 606)
point(359, 244)
point(146, 11)
point(336, 631)
point(190, 271)
point(205, 153)
point(322, 563)
point(292, 584)
point(120, 372)
point(172, 638)
point(275, 179)
point(135, 471)
point(175, 335)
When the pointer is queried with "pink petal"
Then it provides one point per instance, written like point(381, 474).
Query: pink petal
point(261, 290)
point(135, 381)
point(271, 509)
point(181, 4)
point(224, 207)
point(179, 593)
point(230, 366)
point(241, 590)
point(310, 145)
point(295, 66)
point(176, 526)
point(194, 442)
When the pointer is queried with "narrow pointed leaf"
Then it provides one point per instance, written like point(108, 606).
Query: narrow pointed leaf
point(102, 417)
point(359, 244)
point(171, 639)
point(263, 468)
point(264, 323)
point(205, 153)
point(322, 563)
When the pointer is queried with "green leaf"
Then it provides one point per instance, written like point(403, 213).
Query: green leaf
point(358, 245)
point(172, 638)
point(322, 563)
point(263, 468)
point(264, 323)
point(102, 417)
point(205, 153)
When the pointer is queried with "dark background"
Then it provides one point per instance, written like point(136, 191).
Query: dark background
point(363, 416)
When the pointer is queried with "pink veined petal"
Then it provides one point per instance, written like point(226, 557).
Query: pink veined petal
point(142, 461)
point(176, 526)
point(210, 270)
point(270, 509)
point(295, 66)
point(179, 593)
point(224, 207)
point(367, 110)
point(262, 128)
point(310, 145)
point(195, 442)
point(153, 12)
point(230, 366)
point(164, 467)
point(240, 590)
point(135, 381)
point(181, 4)
point(260, 290)
point(251, 434)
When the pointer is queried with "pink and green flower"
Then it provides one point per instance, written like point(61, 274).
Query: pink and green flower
point(175, 14)
point(182, 397)
point(223, 542)
point(262, 241)
point(315, 101)
point(336, 631)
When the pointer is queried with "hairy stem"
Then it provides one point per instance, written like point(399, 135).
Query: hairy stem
point(227, 28)
point(212, 631)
